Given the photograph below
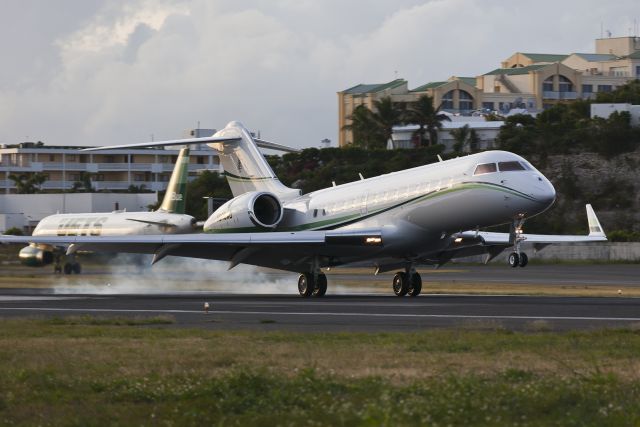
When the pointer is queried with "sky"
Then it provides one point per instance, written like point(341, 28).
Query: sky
point(88, 72)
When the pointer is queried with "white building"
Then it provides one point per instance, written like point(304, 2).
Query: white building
point(403, 136)
point(605, 110)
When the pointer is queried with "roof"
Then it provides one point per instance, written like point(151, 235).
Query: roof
point(468, 80)
point(429, 85)
point(634, 55)
point(545, 57)
point(373, 88)
point(595, 57)
point(517, 70)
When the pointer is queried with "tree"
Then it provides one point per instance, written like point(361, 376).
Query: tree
point(364, 129)
point(460, 136)
point(628, 93)
point(428, 118)
point(28, 184)
point(386, 115)
point(83, 184)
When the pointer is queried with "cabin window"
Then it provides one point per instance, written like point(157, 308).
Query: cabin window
point(315, 213)
point(510, 166)
point(485, 168)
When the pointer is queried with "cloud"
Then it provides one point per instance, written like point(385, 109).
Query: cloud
point(118, 72)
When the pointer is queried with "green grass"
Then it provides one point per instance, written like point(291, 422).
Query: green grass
point(117, 371)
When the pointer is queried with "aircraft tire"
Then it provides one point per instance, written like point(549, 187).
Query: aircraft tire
point(321, 286)
point(524, 260)
point(67, 268)
point(400, 284)
point(416, 285)
point(76, 267)
point(514, 259)
point(305, 285)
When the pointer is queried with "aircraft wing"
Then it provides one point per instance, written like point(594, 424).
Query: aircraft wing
point(469, 243)
point(596, 234)
point(282, 250)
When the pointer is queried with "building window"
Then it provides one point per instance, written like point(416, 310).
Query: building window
point(98, 177)
point(52, 157)
point(604, 88)
point(637, 70)
point(200, 160)
point(71, 157)
point(447, 101)
point(488, 106)
point(547, 85)
point(75, 177)
point(587, 88)
point(564, 84)
point(109, 159)
point(138, 177)
point(465, 100)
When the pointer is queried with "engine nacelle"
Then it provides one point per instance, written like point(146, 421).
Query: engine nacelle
point(34, 256)
point(257, 209)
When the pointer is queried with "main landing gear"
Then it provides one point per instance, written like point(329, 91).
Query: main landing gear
point(407, 283)
point(69, 267)
point(310, 284)
point(517, 258)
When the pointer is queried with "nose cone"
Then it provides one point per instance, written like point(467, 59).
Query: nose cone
point(544, 193)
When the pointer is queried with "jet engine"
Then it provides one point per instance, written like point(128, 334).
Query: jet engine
point(257, 209)
point(35, 256)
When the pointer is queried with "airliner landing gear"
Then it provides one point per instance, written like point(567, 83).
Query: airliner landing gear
point(72, 267)
point(310, 284)
point(407, 284)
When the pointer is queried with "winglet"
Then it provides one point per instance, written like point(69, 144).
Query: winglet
point(595, 229)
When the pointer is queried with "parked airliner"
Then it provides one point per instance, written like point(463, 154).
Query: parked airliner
point(169, 218)
point(424, 215)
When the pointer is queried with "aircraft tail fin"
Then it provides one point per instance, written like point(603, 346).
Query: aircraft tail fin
point(245, 168)
point(175, 198)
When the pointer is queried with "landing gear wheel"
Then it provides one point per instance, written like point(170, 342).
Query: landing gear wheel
point(321, 286)
point(57, 269)
point(68, 268)
point(416, 285)
point(524, 259)
point(76, 268)
point(400, 284)
point(514, 259)
point(305, 285)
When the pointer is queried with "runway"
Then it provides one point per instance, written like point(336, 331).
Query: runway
point(364, 306)
point(367, 313)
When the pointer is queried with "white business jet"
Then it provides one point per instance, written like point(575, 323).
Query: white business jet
point(169, 218)
point(424, 215)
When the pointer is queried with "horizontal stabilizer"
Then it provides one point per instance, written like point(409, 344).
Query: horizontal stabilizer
point(168, 143)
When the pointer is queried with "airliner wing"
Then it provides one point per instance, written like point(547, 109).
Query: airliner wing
point(282, 250)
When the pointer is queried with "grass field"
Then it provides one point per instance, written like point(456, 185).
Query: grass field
point(139, 371)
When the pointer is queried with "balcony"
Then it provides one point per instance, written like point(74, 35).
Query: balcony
point(559, 95)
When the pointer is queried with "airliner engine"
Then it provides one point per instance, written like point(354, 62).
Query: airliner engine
point(36, 256)
point(257, 209)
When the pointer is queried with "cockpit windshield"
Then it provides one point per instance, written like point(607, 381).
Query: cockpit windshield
point(485, 168)
point(510, 166)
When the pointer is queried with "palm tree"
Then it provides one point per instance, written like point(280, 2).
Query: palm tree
point(429, 119)
point(387, 114)
point(363, 128)
point(28, 184)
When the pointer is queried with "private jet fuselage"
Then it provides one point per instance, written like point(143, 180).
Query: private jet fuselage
point(415, 208)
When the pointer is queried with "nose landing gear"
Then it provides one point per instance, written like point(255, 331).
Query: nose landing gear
point(517, 258)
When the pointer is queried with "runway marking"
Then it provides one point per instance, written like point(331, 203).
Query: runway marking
point(333, 314)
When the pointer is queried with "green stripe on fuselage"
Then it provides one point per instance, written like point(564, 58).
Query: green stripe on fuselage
point(332, 223)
